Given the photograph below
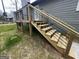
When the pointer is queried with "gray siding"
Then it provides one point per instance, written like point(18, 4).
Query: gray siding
point(63, 9)
point(25, 13)
point(24, 2)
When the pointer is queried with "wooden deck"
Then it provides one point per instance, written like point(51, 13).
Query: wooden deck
point(22, 21)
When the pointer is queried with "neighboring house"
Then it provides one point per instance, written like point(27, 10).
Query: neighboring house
point(10, 17)
point(0, 12)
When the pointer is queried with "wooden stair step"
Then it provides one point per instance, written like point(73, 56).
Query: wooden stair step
point(56, 36)
point(47, 29)
point(51, 32)
point(61, 45)
point(43, 25)
point(64, 39)
point(38, 21)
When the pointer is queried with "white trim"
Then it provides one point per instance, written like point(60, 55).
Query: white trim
point(77, 9)
point(31, 1)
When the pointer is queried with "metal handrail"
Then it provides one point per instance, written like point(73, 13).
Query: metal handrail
point(64, 24)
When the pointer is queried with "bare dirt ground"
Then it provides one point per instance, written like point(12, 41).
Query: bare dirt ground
point(35, 47)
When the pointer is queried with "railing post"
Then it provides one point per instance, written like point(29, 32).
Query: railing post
point(71, 38)
point(30, 19)
point(17, 26)
point(22, 26)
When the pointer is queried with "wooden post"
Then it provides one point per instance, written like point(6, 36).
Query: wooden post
point(17, 25)
point(22, 26)
point(71, 38)
point(30, 19)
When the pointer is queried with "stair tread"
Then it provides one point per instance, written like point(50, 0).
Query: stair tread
point(39, 22)
point(50, 32)
point(65, 44)
point(64, 39)
point(56, 36)
point(44, 29)
point(61, 45)
point(43, 25)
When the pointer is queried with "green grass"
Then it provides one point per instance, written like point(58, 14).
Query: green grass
point(11, 41)
point(5, 28)
point(9, 37)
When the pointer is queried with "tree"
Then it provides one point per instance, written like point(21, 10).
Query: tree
point(15, 3)
point(4, 13)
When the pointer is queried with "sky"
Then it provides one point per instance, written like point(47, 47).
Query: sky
point(9, 5)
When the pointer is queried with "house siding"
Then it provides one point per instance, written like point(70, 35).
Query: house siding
point(25, 13)
point(63, 9)
point(24, 2)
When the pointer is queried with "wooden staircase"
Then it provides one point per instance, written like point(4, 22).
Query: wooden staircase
point(56, 38)
point(61, 41)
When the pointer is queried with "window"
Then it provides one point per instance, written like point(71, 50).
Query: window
point(77, 9)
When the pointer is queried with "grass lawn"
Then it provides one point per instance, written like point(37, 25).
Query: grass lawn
point(35, 47)
point(8, 36)
point(7, 27)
